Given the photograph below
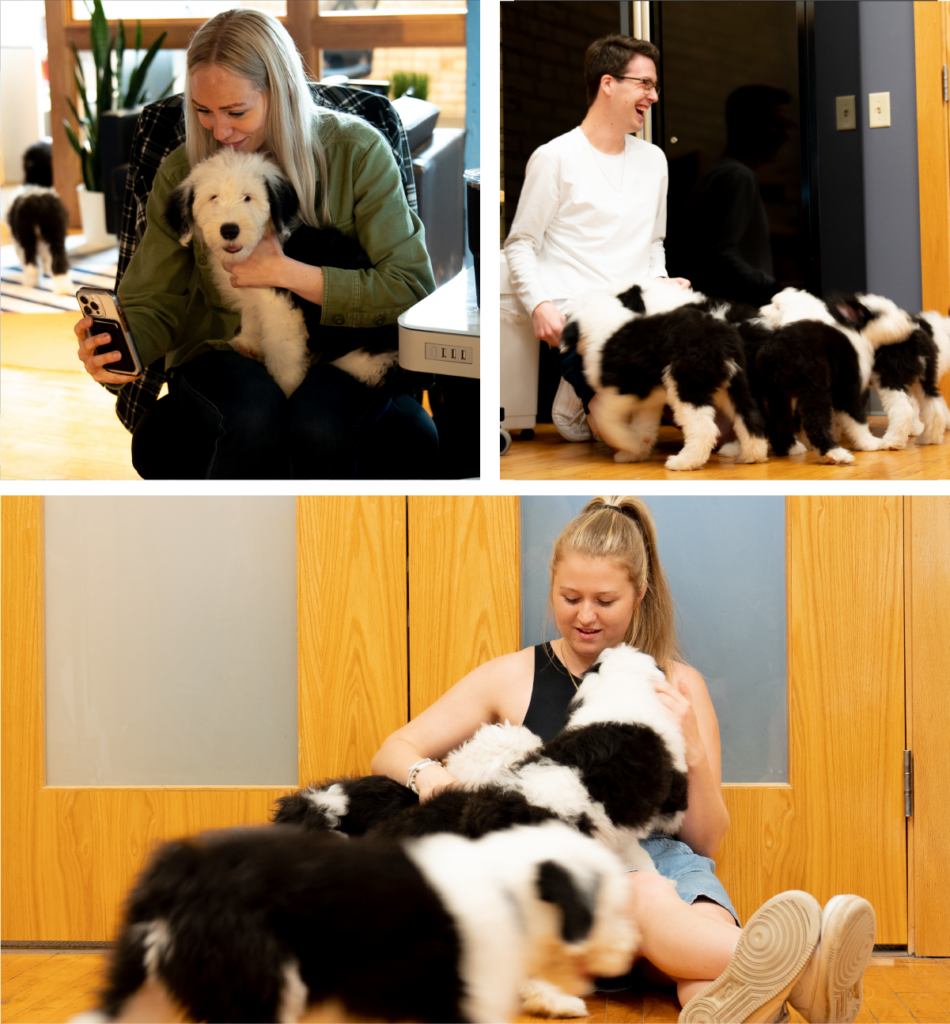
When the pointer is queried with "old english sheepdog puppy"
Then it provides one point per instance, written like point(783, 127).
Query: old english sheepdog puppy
point(265, 924)
point(813, 363)
point(227, 205)
point(38, 222)
point(657, 344)
point(616, 771)
point(907, 377)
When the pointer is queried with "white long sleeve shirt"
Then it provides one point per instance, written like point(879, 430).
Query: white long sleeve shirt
point(574, 231)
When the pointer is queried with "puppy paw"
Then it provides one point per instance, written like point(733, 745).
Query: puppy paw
point(869, 444)
point(917, 427)
point(757, 450)
point(729, 450)
point(62, 285)
point(797, 449)
point(894, 442)
point(543, 999)
point(684, 462)
point(31, 275)
point(837, 457)
point(625, 456)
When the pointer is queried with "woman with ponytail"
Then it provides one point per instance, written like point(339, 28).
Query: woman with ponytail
point(608, 587)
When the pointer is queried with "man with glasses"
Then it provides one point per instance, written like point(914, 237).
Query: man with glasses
point(592, 212)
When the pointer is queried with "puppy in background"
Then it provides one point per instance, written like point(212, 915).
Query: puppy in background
point(38, 222)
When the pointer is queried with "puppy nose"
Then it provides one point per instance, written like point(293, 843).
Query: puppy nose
point(230, 231)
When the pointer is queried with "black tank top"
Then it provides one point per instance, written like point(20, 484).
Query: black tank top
point(551, 693)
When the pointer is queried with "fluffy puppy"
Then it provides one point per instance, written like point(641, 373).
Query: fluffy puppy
point(262, 924)
point(229, 203)
point(618, 768)
point(906, 376)
point(38, 222)
point(814, 362)
point(657, 344)
point(351, 806)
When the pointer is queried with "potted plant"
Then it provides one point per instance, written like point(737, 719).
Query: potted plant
point(108, 89)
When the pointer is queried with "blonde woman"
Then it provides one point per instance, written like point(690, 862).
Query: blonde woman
point(608, 587)
point(246, 90)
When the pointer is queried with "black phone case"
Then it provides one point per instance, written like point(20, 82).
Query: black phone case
point(126, 364)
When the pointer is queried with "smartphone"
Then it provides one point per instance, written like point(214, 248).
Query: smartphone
point(107, 318)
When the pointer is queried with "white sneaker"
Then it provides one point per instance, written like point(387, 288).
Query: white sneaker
point(830, 989)
point(567, 411)
point(770, 956)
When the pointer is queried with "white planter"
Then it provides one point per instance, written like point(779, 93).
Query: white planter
point(92, 207)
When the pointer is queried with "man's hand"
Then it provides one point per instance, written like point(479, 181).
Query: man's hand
point(548, 323)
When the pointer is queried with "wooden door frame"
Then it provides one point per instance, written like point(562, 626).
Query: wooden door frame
point(65, 876)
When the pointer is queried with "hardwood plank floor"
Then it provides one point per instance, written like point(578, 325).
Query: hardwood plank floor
point(549, 457)
point(41, 987)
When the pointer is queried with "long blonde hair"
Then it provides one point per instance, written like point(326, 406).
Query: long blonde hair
point(622, 529)
point(256, 47)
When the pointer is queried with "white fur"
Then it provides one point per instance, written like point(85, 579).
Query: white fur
point(934, 411)
point(156, 942)
point(621, 690)
point(698, 424)
point(230, 188)
point(293, 996)
point(508, 933)
point(490, 752)
point(600, 315)
point(332, 801)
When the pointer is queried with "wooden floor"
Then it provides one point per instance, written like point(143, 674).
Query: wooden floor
point(550, 457)
point(52, 987)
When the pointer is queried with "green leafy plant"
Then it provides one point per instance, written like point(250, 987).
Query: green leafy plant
point(108, 89)
point(409, 83)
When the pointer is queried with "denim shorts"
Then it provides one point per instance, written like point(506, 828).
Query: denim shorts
point(694, 875)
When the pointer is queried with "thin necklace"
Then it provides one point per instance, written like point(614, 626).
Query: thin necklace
point(623, 164)
point(564, 663)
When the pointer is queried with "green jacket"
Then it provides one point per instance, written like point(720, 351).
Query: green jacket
point(168, 292)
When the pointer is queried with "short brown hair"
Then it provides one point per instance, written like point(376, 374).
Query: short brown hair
point(610, 56)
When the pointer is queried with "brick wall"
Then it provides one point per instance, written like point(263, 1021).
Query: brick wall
point(445, 67)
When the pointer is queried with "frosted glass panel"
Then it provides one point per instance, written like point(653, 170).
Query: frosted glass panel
point(171, 641)
point(725, 558)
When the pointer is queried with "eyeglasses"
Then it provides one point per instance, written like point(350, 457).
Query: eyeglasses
point(648, 84)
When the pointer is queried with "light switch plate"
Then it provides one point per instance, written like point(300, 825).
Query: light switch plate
point(845, 116)
point(879, 104)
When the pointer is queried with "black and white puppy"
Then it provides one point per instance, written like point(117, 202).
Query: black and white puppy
point(907, 375)
point(229, 203)
point(658, 344)
point(813, 364)
point(616, 770)
point(263, 924)
point(38, 222)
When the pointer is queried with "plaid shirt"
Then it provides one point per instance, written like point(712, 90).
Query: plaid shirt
point(161, 129)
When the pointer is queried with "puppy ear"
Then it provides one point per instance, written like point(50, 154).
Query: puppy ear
point(555, 885)
point(178, 212)
point(849, 310)
point(283, 205)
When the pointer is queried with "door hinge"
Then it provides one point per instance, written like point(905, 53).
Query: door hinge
point(908, 784)
point(946, 93)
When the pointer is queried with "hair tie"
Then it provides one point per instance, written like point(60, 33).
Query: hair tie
point(614, 508)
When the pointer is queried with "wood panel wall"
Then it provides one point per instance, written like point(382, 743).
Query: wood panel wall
point(927, 604)
point(464, 574)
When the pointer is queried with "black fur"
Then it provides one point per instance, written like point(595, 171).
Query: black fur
point(849, 310)
point(360, 919)
point(284, 204)
point(625, 767)
point(817, 365)
point(700, 352)
point(178, 209)
point(38, 165)
point(555, 885)
point(899, 366)
point(371, 799)
point(40, 214)
point(471, 813)
point(328, 247)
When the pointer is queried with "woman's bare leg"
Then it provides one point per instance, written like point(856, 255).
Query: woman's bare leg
point(689, 943)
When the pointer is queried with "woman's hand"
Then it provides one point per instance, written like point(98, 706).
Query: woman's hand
point(677, 700)
point(681, 281)
point(266, 267)
point(97, 366)
point(432, 780)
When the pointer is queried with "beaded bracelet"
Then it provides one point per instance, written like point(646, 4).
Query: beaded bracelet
point(414, 771)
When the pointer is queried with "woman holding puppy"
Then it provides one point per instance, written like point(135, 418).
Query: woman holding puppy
point(607, 588)
point(246, 90)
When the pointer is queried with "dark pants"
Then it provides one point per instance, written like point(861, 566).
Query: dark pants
point(261, 434)
point(572, 370)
